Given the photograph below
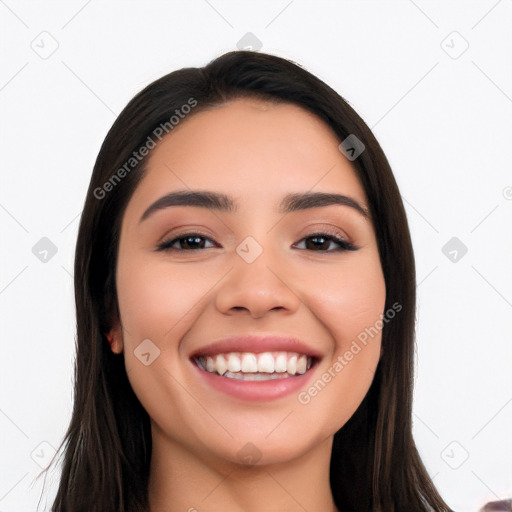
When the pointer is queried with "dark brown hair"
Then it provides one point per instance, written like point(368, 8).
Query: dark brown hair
point(375, 465)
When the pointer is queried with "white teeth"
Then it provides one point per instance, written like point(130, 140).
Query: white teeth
point(210, 364)
point(255, 376)
point(265, 363)
point(301, 364)
point(233, 363)
point(221, 365)
point(249, 364)
point(256, 366)
point(291, 365)
point(280, 366)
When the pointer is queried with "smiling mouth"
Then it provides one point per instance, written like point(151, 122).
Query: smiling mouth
point(255, 366)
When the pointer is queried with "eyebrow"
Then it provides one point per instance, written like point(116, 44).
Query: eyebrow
point(221, 202)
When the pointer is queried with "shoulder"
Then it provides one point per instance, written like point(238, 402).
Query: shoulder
point(497, 506)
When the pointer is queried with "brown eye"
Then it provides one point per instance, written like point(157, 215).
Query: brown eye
point(322, 242)
point(317, 242)
point(187, 242)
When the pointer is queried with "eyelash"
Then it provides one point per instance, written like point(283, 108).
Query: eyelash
point(166, 245)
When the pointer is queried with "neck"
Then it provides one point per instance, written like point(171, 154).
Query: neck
point(183, 479)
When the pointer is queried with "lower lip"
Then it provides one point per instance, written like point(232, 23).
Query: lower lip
point(256, 391)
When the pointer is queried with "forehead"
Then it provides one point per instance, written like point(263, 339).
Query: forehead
point(255, 150)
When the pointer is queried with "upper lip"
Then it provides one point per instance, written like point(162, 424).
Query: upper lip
point(256, 344)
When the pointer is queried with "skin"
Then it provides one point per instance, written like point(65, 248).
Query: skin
point(182, 300)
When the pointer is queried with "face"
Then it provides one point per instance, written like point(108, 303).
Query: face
point(240, 318)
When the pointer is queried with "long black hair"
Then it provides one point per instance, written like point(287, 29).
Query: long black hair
point(375, 465)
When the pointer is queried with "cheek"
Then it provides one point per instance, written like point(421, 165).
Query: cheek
point(157, 302)
point(155, 299)
point(349, 302)
point(348, 299)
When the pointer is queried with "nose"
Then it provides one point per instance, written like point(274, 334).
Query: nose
point(256, 289)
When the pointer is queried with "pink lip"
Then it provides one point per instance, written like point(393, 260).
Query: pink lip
point(257, 391)
point(256, 344)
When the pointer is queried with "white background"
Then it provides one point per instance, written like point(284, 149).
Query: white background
point(443, 117)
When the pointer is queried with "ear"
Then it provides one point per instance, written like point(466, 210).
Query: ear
point(115, 338)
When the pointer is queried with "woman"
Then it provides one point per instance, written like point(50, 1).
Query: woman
point(245, 298)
